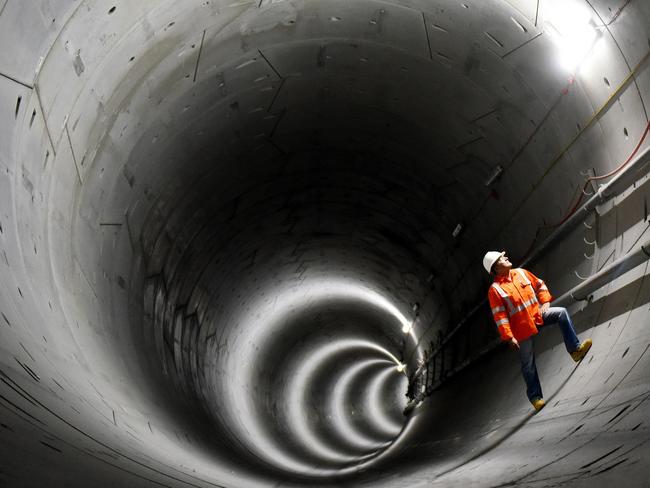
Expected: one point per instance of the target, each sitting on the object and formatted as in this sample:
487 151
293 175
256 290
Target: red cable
611 173
575 206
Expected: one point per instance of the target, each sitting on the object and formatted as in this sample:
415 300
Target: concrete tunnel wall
216 218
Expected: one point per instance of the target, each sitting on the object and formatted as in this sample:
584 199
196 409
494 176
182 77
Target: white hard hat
490 258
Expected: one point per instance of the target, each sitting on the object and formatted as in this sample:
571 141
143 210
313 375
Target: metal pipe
606 192
605 275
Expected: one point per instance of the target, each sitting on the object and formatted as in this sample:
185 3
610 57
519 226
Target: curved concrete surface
224 225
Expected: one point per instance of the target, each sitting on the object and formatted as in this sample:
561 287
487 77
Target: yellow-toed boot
582 351
538 403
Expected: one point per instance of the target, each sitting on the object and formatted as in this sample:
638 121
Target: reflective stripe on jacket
515 301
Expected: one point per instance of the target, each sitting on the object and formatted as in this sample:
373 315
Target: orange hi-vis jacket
515 301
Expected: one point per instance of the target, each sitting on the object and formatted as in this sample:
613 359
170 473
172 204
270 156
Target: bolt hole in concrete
111 10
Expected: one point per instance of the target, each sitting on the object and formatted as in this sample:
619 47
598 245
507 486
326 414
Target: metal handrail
582 291
606 192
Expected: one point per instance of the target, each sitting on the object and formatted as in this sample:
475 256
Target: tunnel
241 241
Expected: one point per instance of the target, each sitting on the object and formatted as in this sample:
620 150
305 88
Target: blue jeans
554 315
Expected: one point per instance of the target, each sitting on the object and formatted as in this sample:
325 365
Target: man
521 303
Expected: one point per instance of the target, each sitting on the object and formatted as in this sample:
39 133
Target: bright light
406 328
400 367
573 31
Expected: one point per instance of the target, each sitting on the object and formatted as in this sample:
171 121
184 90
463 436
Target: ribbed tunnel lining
203 163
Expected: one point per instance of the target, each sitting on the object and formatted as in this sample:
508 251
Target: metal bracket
580 277
587 299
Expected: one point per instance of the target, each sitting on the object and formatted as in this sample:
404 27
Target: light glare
573 31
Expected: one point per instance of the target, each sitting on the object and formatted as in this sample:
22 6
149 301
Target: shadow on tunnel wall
618 303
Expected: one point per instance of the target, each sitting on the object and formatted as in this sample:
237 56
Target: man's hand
544 308
514 344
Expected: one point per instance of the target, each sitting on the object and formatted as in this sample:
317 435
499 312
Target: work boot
538 403
582 351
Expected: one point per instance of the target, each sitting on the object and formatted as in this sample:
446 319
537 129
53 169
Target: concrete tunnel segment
216 219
